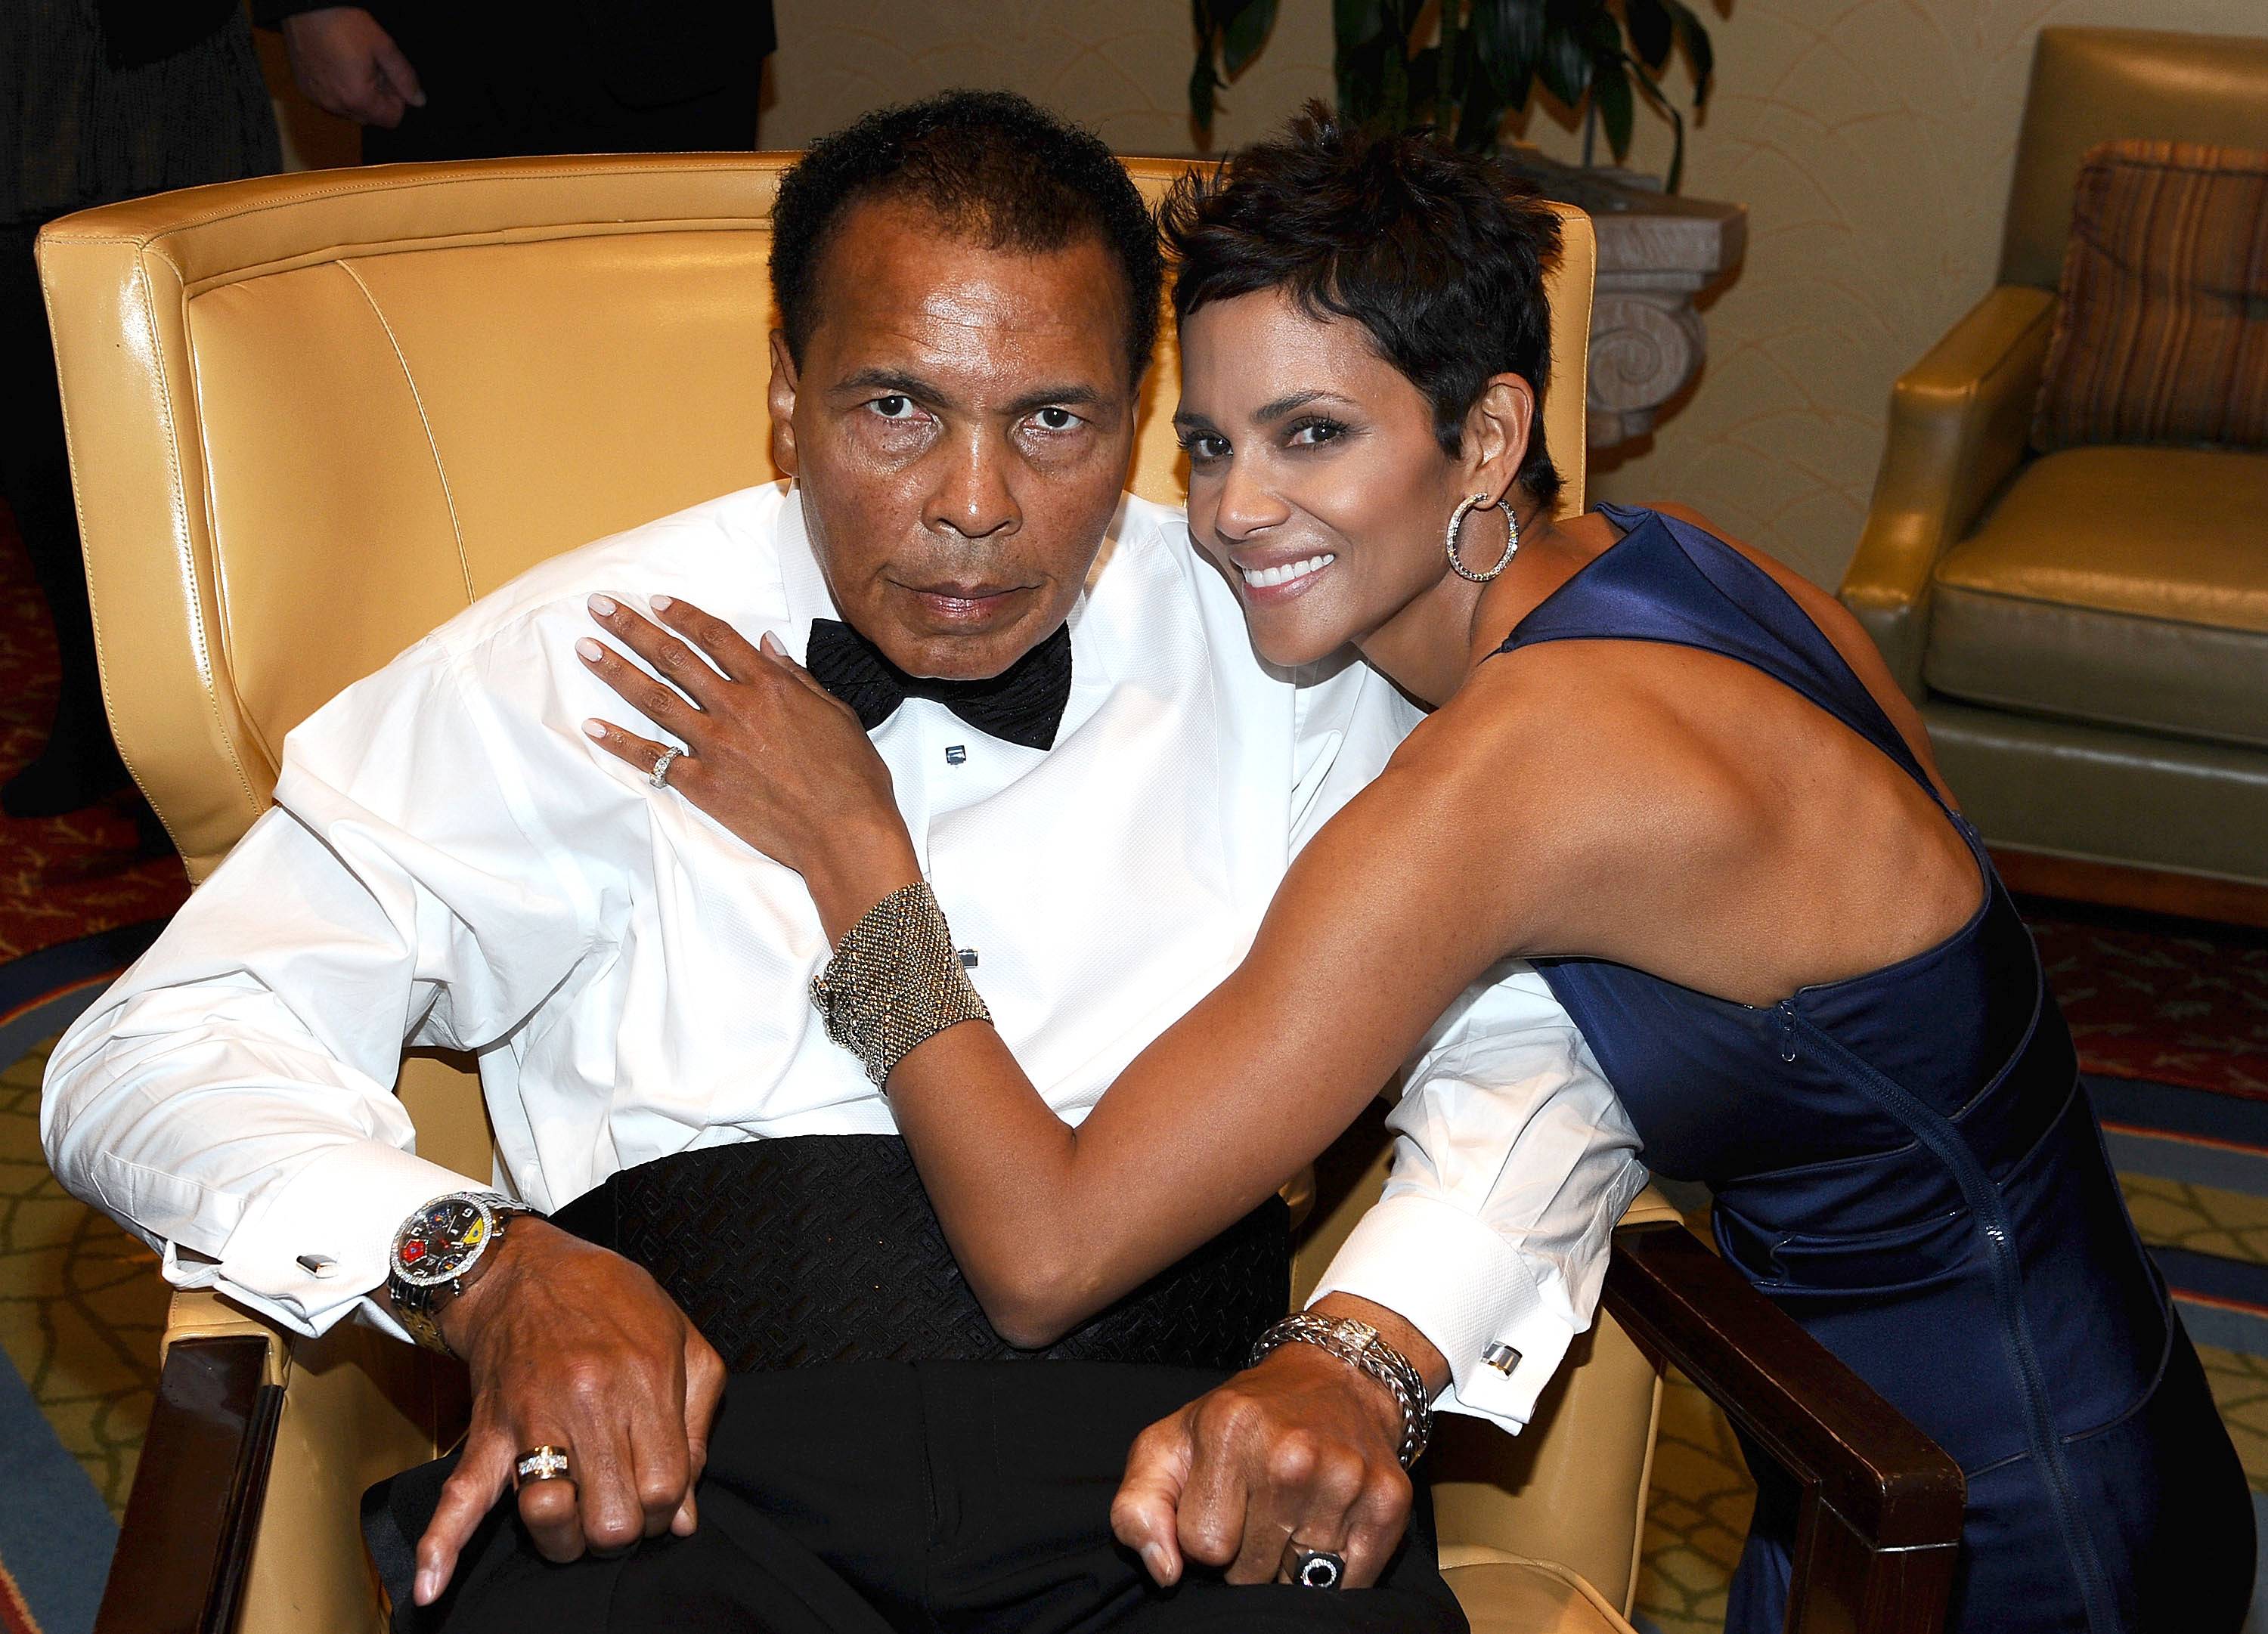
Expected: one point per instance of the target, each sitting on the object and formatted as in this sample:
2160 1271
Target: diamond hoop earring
1465 508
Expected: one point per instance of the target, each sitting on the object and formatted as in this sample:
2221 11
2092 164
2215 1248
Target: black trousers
871 1498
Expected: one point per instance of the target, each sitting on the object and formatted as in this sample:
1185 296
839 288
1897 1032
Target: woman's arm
1391 913
1375 930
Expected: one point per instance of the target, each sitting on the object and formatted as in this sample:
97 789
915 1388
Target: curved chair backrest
312 416
2098 84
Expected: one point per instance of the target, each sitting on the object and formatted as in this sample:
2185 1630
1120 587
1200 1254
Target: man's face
960 425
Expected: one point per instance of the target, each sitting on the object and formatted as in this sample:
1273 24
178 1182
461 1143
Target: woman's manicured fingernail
771 645
590 650
596 728
603 606
662 604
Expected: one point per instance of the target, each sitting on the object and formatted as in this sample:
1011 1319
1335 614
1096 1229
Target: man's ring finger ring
660 776
1317 1568
542 1463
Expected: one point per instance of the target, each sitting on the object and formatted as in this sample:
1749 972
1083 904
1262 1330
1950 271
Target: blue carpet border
43 993
54 1522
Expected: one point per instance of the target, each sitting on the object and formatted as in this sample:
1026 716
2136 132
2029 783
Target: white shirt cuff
1470 1292
339 1212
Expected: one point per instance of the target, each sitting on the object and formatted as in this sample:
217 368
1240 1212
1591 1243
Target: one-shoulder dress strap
1668 581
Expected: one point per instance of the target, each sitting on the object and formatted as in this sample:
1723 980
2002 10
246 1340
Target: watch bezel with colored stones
445 1238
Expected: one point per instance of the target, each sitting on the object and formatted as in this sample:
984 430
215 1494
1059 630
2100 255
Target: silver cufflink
1501 1357
967 957
955 754
318 1264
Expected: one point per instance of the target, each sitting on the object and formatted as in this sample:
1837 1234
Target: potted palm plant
1463 67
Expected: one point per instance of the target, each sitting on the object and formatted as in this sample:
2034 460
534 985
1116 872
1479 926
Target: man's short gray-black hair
989 165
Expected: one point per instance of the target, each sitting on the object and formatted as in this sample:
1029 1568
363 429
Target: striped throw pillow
2162 328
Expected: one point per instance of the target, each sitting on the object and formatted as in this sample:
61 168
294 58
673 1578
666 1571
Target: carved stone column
1656 252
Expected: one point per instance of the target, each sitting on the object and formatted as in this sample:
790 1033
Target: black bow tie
1024 703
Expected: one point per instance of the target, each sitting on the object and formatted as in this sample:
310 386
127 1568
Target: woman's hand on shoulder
775 758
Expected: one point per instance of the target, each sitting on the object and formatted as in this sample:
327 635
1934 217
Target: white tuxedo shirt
451 862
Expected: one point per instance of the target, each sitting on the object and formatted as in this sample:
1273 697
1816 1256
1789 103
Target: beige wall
1871 139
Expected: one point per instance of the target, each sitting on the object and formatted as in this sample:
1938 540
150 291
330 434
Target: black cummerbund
824 1248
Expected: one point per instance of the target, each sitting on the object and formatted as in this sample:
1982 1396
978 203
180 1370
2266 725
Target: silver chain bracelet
1360 1345
895 980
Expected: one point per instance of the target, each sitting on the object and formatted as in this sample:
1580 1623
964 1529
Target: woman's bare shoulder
1572 778
1841 628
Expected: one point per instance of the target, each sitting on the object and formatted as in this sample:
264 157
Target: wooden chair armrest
1880 1525
191 1520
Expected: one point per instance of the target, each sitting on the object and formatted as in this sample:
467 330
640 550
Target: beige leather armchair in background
2085 631
313 415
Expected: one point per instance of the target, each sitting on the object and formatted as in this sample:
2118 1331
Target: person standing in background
488 78
101 99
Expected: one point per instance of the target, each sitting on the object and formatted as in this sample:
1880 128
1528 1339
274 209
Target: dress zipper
1983 1200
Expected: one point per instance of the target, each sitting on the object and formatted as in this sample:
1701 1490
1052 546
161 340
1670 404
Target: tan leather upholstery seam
440 472
201 637
538 232
2016 599
742 161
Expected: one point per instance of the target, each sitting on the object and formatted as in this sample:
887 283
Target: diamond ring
660 776
542 1463
1317 1568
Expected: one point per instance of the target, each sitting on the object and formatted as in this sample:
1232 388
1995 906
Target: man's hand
346 64
1301 1449
575 1347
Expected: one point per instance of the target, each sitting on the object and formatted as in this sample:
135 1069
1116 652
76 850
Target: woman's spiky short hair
1441 256
989 165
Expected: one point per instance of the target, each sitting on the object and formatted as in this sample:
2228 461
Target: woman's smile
1269 582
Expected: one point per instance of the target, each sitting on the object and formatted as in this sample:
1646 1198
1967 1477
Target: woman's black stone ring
1317 1568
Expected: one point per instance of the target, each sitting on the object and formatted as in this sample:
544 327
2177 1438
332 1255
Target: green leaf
1507 38
1610 89
1483 111
1651 32
1357 22
1698 49
1661 103
1426 97
1565 67
1244 31
1203 83
1361 80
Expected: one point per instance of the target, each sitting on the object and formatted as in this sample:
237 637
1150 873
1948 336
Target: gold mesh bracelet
895 980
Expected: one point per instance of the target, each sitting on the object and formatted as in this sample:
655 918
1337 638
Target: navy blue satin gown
1906 1163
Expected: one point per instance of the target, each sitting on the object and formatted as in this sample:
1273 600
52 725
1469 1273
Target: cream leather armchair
311 417
2085 631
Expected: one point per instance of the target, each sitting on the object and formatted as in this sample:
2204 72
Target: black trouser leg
949 1498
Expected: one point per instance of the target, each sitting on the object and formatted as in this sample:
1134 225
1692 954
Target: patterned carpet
2172 1022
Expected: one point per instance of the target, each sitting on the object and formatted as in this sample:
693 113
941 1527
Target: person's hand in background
346 64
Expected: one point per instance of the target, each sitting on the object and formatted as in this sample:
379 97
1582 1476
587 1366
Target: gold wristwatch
439 1250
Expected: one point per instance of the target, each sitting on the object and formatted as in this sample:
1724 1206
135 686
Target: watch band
418 1303
1362 1346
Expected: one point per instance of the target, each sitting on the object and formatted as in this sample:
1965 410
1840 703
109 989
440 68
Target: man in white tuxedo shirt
452 861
